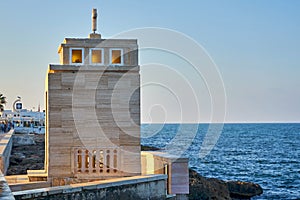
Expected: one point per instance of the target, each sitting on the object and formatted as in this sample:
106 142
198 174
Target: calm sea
267 154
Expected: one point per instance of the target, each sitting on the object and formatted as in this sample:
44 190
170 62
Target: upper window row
96 56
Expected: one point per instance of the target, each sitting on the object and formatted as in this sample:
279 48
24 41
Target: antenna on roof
94 20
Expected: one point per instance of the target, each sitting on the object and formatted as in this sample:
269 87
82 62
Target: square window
96 56
76 55
116 56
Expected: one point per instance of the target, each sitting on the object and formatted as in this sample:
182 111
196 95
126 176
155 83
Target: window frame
121 56
102 56
71 55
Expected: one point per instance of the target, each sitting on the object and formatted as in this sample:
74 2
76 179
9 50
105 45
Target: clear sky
255 44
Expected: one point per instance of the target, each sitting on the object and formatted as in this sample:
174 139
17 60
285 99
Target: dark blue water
267 154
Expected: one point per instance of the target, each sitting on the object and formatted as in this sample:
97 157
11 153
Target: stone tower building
93 110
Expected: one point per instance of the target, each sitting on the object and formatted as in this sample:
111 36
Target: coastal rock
207 188
243 190
212 188
20 140
29 156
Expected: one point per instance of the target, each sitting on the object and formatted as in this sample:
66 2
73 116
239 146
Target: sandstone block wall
89 117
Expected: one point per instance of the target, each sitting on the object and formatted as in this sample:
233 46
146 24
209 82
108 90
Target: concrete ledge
37 175
5 150
165 156
28 186
16 179
136 185
93 68
35 172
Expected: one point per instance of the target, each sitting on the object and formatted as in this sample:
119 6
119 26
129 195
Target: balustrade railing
104 161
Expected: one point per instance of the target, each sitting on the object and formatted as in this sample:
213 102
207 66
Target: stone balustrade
97 161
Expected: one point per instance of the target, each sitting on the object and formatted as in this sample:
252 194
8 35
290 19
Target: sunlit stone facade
93 111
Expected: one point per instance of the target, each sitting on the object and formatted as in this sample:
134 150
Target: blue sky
255 44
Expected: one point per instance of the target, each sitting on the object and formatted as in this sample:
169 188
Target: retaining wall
150 187
5 150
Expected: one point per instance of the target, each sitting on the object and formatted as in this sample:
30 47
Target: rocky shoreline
212 188
28 153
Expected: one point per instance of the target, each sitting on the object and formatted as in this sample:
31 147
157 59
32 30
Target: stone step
17 179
